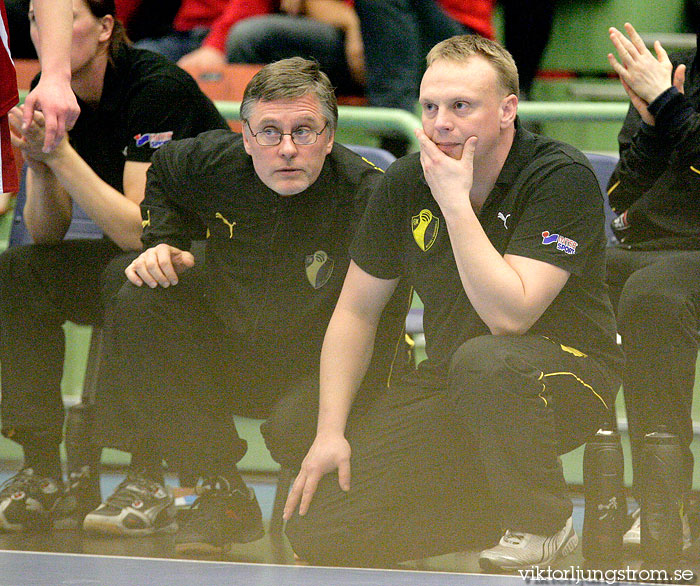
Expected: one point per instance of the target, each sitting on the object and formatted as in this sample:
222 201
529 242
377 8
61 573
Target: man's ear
331 139
509 109
246 143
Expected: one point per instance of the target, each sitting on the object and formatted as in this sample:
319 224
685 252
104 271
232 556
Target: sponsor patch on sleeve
153 139
564 244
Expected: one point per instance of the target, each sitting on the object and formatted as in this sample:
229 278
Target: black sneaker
81 496
27 501
218 518
139 506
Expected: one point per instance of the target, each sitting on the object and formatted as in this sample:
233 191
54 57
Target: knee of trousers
132 303
650 308
113 277
289 433
21 286
16 266
244 39
484 367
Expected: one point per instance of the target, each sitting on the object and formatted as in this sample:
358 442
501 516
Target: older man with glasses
235 333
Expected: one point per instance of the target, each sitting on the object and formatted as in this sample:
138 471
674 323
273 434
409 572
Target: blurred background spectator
207 34
325 30
147 18
18 27
527 27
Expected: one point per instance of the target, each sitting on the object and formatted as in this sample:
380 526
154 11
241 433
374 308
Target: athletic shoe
139 506
517 550
633 537
219 517
82 495
27 501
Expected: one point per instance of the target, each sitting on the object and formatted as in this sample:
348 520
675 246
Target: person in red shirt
207 34
53 95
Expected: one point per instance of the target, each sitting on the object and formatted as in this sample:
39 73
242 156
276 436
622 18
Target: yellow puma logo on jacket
230 225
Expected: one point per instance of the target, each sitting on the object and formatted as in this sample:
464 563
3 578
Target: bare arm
341 15
47 210
46 198
508 292
346 353
53 94
333 12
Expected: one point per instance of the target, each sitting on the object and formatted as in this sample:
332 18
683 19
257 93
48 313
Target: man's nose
287 148
443 120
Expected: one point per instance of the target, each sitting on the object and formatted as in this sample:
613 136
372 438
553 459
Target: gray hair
288 79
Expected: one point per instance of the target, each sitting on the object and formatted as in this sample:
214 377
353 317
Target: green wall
579 40
579 44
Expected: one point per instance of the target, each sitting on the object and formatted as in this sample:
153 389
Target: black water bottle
606 506
662 497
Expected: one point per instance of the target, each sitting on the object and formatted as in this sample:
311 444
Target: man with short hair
501 234
237 332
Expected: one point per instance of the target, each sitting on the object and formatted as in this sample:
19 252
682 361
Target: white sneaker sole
105 528
491 565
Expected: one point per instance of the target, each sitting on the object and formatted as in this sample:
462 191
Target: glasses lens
268 137
304 137
301 136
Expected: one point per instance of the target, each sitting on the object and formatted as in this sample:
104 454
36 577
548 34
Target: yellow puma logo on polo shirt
147 221
425 228
230 225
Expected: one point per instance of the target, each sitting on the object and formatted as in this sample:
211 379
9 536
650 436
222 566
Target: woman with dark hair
132 102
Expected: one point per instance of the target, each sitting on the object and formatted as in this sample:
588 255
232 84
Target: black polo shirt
545 205
146 102
276 264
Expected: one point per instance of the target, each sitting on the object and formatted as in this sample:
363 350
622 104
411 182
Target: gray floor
42 569
72 557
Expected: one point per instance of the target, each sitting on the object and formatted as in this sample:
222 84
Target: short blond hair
460 48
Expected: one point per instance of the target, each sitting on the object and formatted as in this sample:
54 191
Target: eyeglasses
272 137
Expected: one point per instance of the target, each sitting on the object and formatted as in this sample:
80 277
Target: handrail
399 122
573 111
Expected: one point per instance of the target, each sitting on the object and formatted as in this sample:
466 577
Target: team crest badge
319 268
425 228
